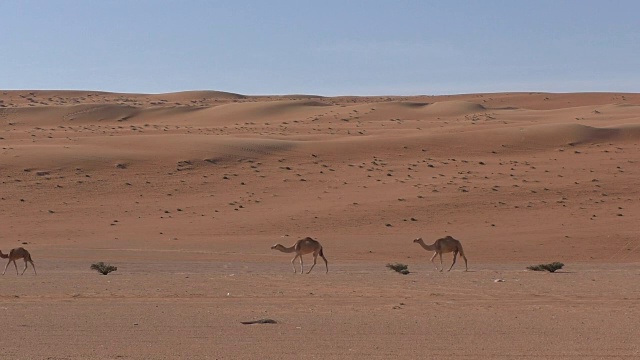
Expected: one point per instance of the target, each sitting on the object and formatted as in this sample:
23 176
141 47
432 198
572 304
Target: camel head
276 246
418 240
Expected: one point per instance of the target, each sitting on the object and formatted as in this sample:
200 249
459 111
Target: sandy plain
186 192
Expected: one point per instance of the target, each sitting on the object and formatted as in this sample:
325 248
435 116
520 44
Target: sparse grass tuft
552 267
103 268
400 268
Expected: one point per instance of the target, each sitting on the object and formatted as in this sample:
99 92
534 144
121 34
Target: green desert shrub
398 267
103 268
552 267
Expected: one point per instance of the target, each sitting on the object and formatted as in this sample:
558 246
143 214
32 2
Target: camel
444 245
16 254
302 247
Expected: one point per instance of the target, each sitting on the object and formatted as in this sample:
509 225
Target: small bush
103 268
401 268
546 267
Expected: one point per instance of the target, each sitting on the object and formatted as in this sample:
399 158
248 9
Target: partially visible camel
444 245
16 254
302 247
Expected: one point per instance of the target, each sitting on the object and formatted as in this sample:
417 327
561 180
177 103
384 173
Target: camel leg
441 263
455 254
301 266
315 259
433 257
34 267
5 268
326 263
16 265
25 266
466 267
293 263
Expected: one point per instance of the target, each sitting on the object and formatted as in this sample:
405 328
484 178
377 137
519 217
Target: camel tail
462 253
460 250
326 262
466 264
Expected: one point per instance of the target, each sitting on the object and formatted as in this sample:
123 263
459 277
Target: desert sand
186 192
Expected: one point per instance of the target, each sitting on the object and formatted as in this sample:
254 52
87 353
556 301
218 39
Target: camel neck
288 249
427 247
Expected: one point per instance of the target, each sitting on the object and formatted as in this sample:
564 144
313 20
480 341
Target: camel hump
446 239
451 239
308 241
20 252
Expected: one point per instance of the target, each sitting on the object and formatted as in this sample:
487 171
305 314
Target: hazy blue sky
324 47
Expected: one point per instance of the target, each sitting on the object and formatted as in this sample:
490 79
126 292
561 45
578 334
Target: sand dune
453 108
186 96
186 192
376 144
546 136
250 112
105 152
195 148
